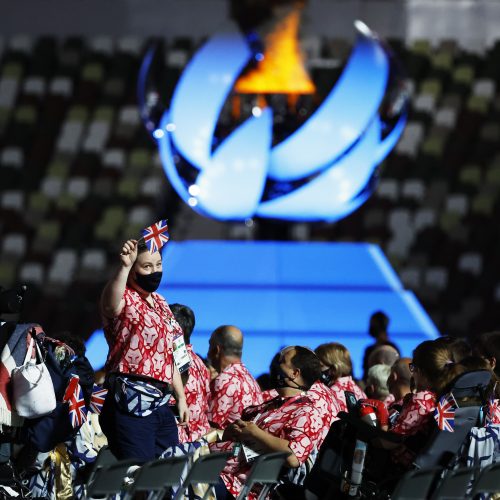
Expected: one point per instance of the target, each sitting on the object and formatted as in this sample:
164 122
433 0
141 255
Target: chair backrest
160 474
416 484
103 459
488 481
265 470
444 445
109 480
455 484
205 470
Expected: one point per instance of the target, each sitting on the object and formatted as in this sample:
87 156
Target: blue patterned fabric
138 397
483 446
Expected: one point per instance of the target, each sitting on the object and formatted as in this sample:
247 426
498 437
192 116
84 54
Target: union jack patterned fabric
493 412
76 401
416 413
139 397
295 419
231 392
97 399
141 338
444 414
156 236
345 384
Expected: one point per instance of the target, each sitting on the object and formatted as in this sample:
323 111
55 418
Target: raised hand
128 255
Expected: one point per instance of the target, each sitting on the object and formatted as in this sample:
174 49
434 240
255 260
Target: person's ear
493 362
295 373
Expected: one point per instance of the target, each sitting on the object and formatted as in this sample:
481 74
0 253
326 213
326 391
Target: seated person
289 422
376 384
487 346
197 385
382 355
398 383
336 369
432 371
234 388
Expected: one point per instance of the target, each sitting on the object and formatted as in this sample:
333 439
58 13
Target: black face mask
149 282
326 377
281 377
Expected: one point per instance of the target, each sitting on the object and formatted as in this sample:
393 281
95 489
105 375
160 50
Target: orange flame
282 70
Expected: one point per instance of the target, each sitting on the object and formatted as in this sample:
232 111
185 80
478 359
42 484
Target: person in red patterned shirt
290 422
197 386
336 370
142 374
234 388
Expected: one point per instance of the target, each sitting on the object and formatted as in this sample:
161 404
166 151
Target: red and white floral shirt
197 391
346 384
493 411
295 419
416 414
140 338
269 394
230 393
327 406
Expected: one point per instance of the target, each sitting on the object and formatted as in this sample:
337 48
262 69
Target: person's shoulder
161 300
131 296
424 398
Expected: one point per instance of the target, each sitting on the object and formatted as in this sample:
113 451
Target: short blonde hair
337 357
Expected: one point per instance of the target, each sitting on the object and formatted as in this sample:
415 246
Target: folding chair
416 484
488 481
158 475
109 480
205 470
103 459
265 470
455 484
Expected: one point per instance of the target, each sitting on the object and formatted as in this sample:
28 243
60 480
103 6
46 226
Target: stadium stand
79 173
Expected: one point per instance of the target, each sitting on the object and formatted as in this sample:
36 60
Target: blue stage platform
287 293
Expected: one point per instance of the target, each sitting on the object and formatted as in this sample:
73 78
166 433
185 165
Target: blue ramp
287 293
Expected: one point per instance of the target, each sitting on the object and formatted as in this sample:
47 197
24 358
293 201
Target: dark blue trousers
139 438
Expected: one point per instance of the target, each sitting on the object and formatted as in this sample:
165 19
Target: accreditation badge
181 355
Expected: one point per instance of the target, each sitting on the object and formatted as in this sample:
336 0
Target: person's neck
145 295
226 361
288 392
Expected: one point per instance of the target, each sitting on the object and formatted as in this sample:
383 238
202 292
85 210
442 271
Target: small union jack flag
76 401
97 399
493 411
156 236
444 413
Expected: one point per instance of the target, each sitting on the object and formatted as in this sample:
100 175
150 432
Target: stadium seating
79 173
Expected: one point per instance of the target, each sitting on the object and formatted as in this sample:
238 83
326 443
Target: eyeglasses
413 367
